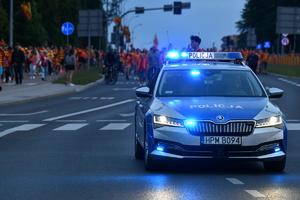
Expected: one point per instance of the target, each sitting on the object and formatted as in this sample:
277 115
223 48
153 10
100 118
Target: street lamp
133 30
131 19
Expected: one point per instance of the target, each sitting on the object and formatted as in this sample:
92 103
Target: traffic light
139 10
177 7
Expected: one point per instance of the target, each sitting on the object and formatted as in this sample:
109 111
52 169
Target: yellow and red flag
26 7
126 33
117 21
155 41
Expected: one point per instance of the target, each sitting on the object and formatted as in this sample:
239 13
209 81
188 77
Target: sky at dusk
209 19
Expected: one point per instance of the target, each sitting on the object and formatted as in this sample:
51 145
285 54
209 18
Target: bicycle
111 76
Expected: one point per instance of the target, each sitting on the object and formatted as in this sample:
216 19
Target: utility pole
11 23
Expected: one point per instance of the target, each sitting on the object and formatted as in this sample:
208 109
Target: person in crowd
253 61
61 56
195 43
70 66
44 62
122 60
127 65
18 60
2 64
153 58
264 59
118 57
33 58
142 68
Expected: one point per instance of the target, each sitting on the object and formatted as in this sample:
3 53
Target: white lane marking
255 193
110 120
24 127
70 127
23 121
30 83
293 120
134 88
70 121
116 126
235 181
126 83
127 115
288 81
93 98
293 126
90 110
35 113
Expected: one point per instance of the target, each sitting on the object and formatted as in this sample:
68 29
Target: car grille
228 129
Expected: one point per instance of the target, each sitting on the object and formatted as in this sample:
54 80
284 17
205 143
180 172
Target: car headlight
167 121
271 121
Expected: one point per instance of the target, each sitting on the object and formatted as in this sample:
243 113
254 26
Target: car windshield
191 83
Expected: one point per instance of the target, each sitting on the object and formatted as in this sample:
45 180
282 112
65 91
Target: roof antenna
168 37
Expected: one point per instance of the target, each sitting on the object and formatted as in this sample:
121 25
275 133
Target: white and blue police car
208 105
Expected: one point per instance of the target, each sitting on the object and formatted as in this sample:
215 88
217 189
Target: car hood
211 108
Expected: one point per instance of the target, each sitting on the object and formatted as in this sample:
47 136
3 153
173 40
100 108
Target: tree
262 16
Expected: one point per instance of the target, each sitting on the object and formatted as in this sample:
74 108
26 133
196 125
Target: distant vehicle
208 105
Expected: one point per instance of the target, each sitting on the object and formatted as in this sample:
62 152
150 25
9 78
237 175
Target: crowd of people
142 64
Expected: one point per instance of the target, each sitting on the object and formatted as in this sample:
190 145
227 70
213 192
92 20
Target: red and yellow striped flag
27 10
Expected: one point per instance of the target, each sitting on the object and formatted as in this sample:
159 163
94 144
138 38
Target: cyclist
110 62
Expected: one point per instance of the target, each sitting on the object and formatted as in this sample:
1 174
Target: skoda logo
220 118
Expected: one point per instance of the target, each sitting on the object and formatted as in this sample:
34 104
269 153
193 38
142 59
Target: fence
284 60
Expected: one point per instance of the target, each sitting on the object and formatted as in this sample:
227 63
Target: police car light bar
204 55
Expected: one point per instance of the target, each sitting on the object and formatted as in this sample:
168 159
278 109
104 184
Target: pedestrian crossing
65 127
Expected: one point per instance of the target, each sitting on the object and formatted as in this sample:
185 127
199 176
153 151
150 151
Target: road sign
288 20
285 41
267 45
259 46
90 23
67 28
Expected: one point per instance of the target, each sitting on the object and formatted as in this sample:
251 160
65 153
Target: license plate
223 140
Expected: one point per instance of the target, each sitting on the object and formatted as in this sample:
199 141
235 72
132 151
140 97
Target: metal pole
89 41
11 24
99 25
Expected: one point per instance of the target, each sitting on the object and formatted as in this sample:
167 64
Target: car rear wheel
275 166
138 149
149 163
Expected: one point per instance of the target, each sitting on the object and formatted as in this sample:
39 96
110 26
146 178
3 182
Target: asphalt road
80 146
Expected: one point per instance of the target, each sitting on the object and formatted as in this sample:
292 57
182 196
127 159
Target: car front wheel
148 161
138 149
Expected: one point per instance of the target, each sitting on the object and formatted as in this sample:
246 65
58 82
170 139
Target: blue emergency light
175 55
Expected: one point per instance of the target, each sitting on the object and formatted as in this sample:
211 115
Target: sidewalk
34 89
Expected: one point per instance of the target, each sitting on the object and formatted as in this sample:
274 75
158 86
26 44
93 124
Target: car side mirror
143 92
275 93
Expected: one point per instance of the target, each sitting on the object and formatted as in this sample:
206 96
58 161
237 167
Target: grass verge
83 76
287 70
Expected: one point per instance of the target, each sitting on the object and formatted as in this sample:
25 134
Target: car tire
275 166
138 149
149 163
